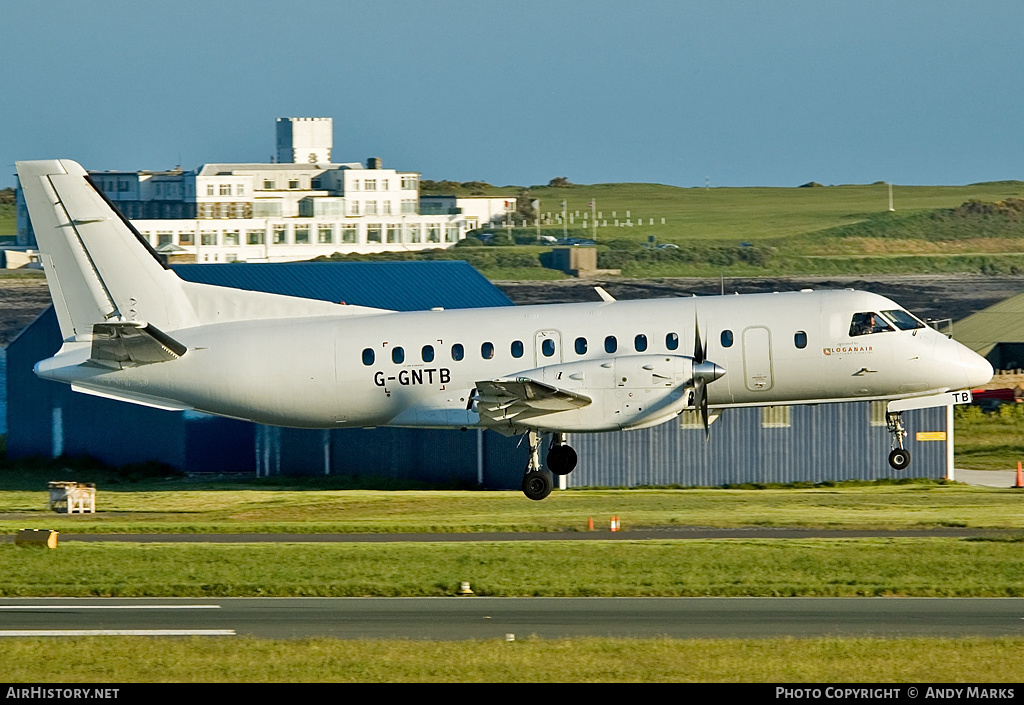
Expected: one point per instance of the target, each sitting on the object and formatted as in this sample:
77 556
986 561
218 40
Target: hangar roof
1000 323
397 286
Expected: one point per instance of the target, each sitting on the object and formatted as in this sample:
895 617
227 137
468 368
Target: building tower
305 140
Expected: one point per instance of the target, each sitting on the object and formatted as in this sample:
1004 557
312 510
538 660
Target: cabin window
547 348
672 341
611 344
726 338
581 346
458 352
904 320
640 343
800 339
487 351
368 356
517 348
397 355
427 353
867 323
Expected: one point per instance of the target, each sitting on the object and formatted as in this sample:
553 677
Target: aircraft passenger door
757 359
548 347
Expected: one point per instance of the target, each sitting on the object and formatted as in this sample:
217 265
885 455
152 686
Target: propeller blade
699 350
701 402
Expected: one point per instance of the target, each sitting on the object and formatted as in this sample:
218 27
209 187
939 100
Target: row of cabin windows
548 348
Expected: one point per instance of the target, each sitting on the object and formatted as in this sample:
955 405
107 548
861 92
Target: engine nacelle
631 391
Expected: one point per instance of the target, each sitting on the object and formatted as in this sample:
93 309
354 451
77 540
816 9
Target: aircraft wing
507 402
118 342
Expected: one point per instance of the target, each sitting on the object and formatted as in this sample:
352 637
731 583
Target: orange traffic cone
615 524
590 523
1020 477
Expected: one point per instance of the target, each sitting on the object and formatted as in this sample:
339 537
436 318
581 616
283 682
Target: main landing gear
561 460
899 458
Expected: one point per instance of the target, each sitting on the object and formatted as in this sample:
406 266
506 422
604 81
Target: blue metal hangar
748 445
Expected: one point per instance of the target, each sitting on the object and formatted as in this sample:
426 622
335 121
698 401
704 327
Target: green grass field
525 660
295 505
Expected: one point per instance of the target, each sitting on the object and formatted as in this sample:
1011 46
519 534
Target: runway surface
459 618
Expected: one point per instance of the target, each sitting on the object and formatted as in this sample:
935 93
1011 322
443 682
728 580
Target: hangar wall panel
825 442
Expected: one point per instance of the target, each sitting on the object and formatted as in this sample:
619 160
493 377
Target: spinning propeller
704 372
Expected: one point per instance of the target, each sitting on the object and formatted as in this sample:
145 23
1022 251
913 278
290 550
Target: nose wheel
899 458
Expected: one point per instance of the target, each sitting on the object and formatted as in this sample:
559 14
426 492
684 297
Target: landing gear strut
537 482
899 458
561 458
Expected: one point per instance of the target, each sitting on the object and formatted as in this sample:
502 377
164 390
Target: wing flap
504 401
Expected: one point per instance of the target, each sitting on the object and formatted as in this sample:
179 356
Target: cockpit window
904 320
868 323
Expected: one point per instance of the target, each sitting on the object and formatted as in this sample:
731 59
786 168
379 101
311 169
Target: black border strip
156 255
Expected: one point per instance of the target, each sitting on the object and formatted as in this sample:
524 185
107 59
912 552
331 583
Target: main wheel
899 458
562 459
537 484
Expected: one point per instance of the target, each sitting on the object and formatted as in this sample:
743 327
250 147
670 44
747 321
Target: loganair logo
847 349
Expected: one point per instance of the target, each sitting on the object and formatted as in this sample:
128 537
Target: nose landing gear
899 458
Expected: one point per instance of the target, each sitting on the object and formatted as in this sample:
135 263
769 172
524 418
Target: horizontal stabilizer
504 401
132 342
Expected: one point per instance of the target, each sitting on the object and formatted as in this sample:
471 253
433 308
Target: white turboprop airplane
135 332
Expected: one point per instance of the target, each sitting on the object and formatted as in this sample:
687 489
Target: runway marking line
109 607
117 632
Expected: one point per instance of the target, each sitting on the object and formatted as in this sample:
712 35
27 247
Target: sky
679 92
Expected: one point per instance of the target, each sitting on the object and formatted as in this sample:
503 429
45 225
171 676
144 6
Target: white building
289 210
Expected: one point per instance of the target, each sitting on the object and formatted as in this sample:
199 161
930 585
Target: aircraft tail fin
98 267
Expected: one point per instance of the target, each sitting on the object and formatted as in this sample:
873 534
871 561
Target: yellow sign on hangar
930 436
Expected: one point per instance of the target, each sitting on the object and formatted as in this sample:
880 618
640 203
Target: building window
672 341
355 184
349 234
581 346
302 235
517 348
368 356
325 235
255 237
458 352
373 231
230 237
269 185
408 205
385 207
397 355
611 344
433 233
209 237
370 185
281 235
409 183
225 189
383 184
239 190
726 338
640 343
187 238
353 208
394 232
293 184
451 233
209 190
414 232
371 208
487 351
164 238
427 353
800 339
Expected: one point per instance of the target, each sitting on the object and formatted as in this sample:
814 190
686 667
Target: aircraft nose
977 369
